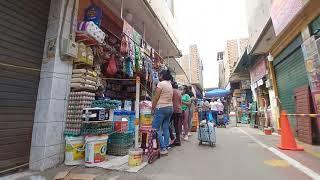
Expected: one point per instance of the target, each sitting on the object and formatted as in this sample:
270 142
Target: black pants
177 124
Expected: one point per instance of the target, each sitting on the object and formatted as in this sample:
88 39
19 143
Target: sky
208 24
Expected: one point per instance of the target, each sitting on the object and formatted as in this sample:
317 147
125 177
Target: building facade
290 42
232 52
35 79
221 70
192 66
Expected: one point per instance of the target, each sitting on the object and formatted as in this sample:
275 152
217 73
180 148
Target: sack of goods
92 30
84 79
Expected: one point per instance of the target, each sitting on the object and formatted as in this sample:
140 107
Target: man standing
214 109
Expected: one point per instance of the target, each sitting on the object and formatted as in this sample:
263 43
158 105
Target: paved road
236 156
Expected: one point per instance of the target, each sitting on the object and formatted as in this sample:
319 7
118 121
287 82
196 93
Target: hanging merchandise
89 54
137 58
124 49
128 66
91 29
112 66
82 55
93 13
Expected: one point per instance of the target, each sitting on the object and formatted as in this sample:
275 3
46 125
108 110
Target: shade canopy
217 93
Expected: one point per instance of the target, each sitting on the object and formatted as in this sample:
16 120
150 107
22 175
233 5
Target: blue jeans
161 122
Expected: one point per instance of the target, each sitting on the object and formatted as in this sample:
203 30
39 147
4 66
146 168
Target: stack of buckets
90 149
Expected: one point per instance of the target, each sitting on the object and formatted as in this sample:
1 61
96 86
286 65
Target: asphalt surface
236 156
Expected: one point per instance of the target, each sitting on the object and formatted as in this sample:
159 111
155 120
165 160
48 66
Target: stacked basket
120 143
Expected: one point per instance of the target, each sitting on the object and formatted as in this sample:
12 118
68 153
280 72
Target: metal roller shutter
290 74
22 35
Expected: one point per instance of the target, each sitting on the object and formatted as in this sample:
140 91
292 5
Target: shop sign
245 84
283 11
258 71
260 82
312 65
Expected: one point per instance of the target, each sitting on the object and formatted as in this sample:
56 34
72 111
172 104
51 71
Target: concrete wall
47 147
258 14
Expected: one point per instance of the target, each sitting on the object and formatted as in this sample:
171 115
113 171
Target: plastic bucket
96 149
135 157
74 153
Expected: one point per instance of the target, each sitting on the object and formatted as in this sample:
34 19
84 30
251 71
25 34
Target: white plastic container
96 150
74 153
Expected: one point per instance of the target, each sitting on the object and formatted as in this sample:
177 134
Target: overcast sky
209 23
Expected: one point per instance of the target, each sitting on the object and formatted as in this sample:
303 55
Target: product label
100 150
72 153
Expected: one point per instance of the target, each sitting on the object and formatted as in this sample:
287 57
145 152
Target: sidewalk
310 157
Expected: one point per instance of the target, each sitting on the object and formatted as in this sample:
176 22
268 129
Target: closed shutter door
290 74
22 35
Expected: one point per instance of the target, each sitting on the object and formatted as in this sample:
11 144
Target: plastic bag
112 66
210 117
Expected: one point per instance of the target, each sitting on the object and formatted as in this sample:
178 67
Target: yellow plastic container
135 157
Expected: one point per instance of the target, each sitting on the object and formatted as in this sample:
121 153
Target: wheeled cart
207 133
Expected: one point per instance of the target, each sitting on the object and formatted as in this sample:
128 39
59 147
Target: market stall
114 75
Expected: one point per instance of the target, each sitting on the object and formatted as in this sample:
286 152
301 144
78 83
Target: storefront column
47 147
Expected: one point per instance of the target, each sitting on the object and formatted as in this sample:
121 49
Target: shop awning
243 63
217 93
144 19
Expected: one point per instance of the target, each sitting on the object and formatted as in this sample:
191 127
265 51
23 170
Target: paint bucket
74 153
96 149
135 157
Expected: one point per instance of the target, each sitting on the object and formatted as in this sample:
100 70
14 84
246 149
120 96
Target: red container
267 131
120 126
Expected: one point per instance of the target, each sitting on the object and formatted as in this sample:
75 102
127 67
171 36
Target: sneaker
186 138
164 152
189 134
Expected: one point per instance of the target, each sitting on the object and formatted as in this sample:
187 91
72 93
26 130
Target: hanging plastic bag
112 66
210 117
124 48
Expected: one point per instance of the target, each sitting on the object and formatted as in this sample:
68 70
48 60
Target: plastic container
117 115
146 118
121 126
135 157
96 149
74 154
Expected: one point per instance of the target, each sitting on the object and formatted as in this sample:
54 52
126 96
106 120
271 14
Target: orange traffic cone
288 142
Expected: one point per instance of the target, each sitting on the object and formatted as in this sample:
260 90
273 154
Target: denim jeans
160 122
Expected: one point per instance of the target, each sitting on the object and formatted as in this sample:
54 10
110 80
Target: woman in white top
214 109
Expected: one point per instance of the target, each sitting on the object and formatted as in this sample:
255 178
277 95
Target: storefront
290 74
23 32
261 107
112 82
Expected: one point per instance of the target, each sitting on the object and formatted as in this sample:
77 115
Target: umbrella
217 93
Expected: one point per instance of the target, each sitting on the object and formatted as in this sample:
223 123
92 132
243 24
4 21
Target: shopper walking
176 116
162 107
191 109
214 110
186 103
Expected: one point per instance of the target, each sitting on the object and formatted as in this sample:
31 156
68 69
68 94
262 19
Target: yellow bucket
135 157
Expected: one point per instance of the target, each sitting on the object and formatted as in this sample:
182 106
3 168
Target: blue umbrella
217 93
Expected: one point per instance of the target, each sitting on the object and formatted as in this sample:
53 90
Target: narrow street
236 156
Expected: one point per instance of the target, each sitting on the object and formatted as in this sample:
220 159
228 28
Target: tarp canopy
217 93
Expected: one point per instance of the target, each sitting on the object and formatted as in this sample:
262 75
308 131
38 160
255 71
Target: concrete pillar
47 147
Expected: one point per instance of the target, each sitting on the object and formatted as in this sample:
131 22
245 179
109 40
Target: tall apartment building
221 70
192 66
233 50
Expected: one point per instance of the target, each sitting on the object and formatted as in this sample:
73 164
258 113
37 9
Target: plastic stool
150 134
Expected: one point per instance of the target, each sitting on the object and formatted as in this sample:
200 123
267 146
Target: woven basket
118 150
